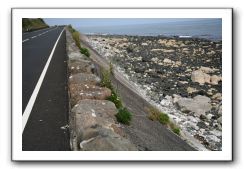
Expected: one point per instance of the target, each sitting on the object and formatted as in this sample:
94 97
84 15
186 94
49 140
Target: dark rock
183 94
146 59
183 78
153 75
201 125
203 117
191 54
214 118
201 92
139 70
180 84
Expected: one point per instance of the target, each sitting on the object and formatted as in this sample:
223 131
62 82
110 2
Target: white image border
19 155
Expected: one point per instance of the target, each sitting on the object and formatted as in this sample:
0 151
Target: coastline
199 127
204 37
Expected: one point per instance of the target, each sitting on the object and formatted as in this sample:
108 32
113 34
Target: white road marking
25 40
31 102
37 30
38 35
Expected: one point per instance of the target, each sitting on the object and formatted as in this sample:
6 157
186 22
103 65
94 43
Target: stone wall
93 125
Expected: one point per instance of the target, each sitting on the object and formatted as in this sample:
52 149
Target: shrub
85 51
31 24
111 68
174 128
124 116
106 81
115 99
71 29
163 118
76 37
153 113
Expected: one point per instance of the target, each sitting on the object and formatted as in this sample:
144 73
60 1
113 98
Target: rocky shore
181 76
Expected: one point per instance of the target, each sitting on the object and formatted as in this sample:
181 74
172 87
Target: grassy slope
33 24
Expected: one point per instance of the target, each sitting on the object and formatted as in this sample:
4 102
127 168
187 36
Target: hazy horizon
101 22
210 28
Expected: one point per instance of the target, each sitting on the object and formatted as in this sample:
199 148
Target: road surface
44 91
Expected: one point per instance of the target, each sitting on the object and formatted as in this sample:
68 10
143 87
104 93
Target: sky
90 22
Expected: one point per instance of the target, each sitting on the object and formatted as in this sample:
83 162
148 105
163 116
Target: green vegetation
163 118
31 24
124 116
155 115
85 51
106 82
71 29
76 37
111 68
115 99
174 128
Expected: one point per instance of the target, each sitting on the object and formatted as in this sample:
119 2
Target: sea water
202 28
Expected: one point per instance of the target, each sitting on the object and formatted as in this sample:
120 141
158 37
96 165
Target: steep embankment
31 24
145 133
92 124
181 76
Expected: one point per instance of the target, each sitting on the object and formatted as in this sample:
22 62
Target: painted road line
25 40
37 88
37 35
36 30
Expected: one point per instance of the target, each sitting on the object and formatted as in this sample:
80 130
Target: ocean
202 28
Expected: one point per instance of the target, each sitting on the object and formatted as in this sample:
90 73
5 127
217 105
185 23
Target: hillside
33 24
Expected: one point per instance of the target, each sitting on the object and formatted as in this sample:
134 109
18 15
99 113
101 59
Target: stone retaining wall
93 125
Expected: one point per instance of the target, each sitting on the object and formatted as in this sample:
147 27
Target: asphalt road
45 128
29 35
144 133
